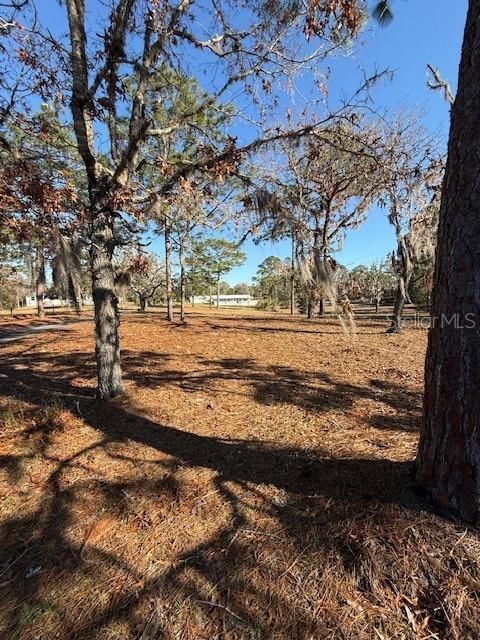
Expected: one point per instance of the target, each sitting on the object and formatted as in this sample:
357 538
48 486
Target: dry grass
254 483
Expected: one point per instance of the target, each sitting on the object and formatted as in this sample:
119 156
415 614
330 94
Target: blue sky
423 31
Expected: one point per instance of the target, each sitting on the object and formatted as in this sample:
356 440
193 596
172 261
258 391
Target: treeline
278 284
35 272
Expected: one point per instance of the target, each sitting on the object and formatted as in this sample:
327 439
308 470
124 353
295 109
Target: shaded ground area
14 331
255 482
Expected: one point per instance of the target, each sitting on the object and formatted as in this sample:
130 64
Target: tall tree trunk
75 277
168 269
40 280
317 270
181 257
77 299
292 277
74 293
107 317
399 304
218 292
448 460
402 296
320 253
310 308
321 308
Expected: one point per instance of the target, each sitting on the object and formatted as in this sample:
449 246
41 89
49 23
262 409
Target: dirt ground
254 482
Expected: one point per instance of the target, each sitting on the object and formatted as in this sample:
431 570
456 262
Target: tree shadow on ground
234 583
73 374
277 384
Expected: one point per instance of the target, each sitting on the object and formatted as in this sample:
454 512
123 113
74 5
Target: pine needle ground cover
254 482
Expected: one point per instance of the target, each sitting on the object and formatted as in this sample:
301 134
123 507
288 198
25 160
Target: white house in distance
224 300
29 300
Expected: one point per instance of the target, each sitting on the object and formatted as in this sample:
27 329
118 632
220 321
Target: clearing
255 482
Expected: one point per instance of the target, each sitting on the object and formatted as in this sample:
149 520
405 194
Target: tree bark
74 293
310 307
181 257
75 277
292 277
40 280
218 292
143 303
107 317
448 460
399 304
402 296
321 308
320 253
168 270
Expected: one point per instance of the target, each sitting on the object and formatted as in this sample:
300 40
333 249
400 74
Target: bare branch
439 84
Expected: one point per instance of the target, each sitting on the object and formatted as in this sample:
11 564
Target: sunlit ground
255 482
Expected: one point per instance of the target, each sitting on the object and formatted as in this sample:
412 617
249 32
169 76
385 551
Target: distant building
224 300
29 300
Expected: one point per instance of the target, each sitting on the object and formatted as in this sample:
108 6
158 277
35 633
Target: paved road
18 333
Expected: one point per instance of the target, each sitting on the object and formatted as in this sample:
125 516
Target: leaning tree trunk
168 270
448 460
107 317
40 281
